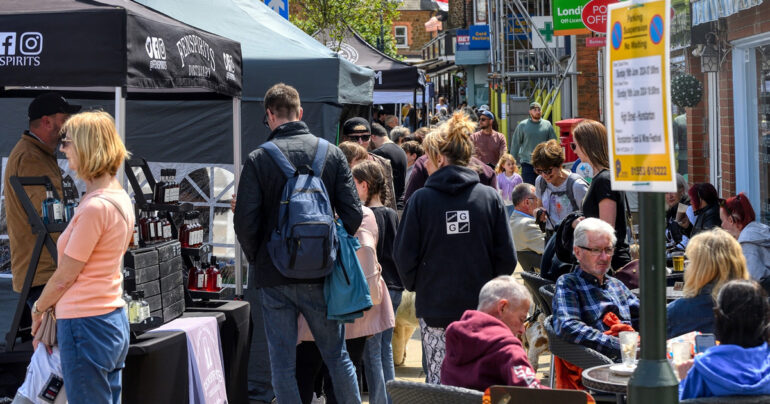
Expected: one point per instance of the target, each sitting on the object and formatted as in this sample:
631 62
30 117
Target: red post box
565 133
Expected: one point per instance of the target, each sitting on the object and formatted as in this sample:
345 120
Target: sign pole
641 151
654 380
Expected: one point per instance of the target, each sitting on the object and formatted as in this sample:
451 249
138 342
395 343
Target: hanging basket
686 91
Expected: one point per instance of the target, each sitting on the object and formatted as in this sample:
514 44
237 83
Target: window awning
704 11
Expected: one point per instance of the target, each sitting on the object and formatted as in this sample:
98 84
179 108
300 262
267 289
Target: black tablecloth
234 333
156 369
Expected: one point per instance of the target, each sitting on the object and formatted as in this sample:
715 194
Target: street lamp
709 59
381 39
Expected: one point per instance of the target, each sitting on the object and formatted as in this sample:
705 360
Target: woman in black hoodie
452 239
705 204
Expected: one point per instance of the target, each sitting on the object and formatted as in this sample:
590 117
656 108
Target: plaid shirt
581 302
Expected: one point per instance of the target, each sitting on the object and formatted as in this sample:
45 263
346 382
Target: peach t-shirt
97 235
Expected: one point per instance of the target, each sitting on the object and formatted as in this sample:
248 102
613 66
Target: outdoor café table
671 294
601 379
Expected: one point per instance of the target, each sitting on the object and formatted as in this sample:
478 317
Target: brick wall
697 130
456 14
587 80
416 34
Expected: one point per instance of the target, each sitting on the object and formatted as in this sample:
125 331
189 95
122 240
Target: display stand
43 238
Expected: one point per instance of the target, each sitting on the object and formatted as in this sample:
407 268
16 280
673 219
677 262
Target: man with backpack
289 190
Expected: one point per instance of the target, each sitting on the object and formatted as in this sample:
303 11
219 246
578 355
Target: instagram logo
31 43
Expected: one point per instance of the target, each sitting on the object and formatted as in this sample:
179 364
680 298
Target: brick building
409 28
728 131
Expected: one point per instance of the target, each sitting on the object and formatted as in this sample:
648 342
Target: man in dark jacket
482 348
256 216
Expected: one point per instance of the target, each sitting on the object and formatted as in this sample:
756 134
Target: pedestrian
507 179
34 156
452 239
528 134
384 147
86 289
488 144
378 353
560 191
256 218
357 130
601 201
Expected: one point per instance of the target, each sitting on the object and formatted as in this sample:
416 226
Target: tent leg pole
120 125
237 171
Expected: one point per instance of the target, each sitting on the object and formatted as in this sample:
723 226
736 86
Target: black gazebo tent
98 48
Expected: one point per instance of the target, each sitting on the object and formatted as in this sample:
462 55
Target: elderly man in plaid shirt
584 296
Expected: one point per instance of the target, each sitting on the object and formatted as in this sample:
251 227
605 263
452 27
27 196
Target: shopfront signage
567 17
479 37
639 127
594 15
596 41
463 40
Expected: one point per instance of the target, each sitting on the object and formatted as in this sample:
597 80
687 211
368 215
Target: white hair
593 225
502 287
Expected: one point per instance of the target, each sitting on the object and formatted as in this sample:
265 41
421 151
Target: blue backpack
304 243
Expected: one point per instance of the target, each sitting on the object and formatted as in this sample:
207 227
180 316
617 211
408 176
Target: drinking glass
628 342
678 259
680 352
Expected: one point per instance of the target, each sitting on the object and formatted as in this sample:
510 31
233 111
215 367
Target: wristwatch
35 311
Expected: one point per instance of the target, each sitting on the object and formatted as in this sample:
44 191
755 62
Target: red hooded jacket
481 351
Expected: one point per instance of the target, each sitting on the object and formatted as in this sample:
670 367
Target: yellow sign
641 147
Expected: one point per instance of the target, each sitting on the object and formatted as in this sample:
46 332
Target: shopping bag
44 383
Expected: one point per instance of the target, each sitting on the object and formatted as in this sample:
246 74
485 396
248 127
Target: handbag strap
122 213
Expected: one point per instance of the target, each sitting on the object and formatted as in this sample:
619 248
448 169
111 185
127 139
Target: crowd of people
447 211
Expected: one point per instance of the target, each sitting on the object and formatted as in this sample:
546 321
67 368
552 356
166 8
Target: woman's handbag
47 331
345 289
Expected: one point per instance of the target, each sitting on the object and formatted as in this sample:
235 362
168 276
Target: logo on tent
20 50
346 51
156 50
229 66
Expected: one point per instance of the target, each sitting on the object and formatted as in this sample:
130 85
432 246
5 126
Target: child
370 184
507 179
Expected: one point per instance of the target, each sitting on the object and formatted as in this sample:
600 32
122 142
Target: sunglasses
64 139
546 172
361 138
573 146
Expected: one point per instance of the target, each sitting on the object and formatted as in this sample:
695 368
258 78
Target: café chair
546 293
533 282
575 354
514 395
763 399
403 392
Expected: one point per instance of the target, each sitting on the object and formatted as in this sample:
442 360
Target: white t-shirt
556 201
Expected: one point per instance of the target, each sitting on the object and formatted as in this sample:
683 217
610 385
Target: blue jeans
260 385
93 353
528 173
378 358
281 306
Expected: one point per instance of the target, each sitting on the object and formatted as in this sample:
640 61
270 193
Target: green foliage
363 16
686 91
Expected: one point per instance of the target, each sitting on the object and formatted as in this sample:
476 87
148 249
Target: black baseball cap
50 104
355 125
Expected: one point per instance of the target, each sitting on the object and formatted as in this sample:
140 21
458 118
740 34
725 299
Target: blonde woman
715 258
453 238
85 290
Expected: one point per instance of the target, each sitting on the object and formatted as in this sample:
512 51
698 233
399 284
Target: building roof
416 5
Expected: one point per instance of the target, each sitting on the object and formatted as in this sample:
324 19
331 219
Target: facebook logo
7 43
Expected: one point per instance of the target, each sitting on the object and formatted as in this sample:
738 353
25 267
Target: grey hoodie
755 242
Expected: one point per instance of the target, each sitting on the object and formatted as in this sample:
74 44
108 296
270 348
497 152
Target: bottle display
213 276
134 309
166 226
52 207
173 186
191 232
144 307
159 193
192 278
135 238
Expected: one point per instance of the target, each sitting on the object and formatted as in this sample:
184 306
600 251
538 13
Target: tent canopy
112 43
274 50
390 74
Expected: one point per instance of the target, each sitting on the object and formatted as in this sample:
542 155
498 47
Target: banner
567 17
639 127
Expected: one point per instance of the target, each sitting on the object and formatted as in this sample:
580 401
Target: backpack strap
573 177
278 157
319 161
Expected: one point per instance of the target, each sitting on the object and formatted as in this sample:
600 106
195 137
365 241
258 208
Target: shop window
400 33
763 96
